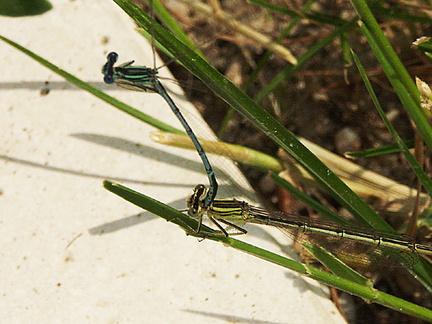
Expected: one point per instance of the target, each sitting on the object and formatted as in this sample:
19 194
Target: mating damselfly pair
354 244
351 244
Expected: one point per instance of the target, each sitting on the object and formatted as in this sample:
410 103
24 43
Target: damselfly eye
109 79
112 57
193 212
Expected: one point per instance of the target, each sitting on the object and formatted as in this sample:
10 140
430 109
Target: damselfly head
195 202
108 68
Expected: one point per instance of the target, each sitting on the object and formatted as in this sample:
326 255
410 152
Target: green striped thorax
138 78
226 209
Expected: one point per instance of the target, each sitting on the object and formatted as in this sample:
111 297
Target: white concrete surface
56 266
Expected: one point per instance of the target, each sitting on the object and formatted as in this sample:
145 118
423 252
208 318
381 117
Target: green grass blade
302 60
377 151
424 44
373 295
172 25
336 266
312 203
396 11
316 16
19 8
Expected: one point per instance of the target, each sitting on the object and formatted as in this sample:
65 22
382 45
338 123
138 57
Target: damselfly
141 78
354 245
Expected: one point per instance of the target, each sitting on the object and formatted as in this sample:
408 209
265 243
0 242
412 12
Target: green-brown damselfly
354 245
